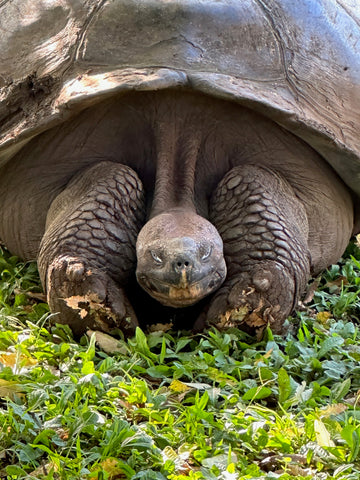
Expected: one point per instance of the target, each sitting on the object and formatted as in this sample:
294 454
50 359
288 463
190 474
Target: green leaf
142 345
160 371
15 470
265 373
257 393
284 385
88 367
329 344
341 390
354 444
163 351
182 343
201 401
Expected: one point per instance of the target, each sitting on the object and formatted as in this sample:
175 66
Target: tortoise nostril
182 264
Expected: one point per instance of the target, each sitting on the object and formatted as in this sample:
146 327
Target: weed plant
173 405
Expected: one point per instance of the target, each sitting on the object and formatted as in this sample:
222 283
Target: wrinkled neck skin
176 158
179 253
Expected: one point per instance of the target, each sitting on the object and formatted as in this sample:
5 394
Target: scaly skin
265 235
88 251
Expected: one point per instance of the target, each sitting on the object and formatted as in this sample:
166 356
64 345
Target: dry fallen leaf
74 302
160 327
35 295
178 387
111 467
180 459
310 292
337 284
10 389
323 317
323 437
91 301
44 470
333 410
106 342
264 357
12 359
232 317
254 320
90 304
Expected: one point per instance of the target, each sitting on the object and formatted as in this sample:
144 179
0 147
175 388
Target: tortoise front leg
87 253
264 229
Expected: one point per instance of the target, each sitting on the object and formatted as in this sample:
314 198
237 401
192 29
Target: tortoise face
179 258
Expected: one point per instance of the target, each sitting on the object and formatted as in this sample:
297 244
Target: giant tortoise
190 161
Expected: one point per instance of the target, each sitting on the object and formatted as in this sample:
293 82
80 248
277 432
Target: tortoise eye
156 256
205 252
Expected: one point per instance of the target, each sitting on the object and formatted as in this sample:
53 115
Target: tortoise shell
296 62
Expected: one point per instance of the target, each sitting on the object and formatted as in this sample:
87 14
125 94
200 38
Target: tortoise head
179 258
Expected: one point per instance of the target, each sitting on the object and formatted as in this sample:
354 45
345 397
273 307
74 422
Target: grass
170 405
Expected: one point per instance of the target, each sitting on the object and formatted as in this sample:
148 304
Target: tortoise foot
87 253
254 300
87 298
265 233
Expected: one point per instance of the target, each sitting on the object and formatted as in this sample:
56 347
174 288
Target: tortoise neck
177 154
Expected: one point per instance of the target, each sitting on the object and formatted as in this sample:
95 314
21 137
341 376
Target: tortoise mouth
182 295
